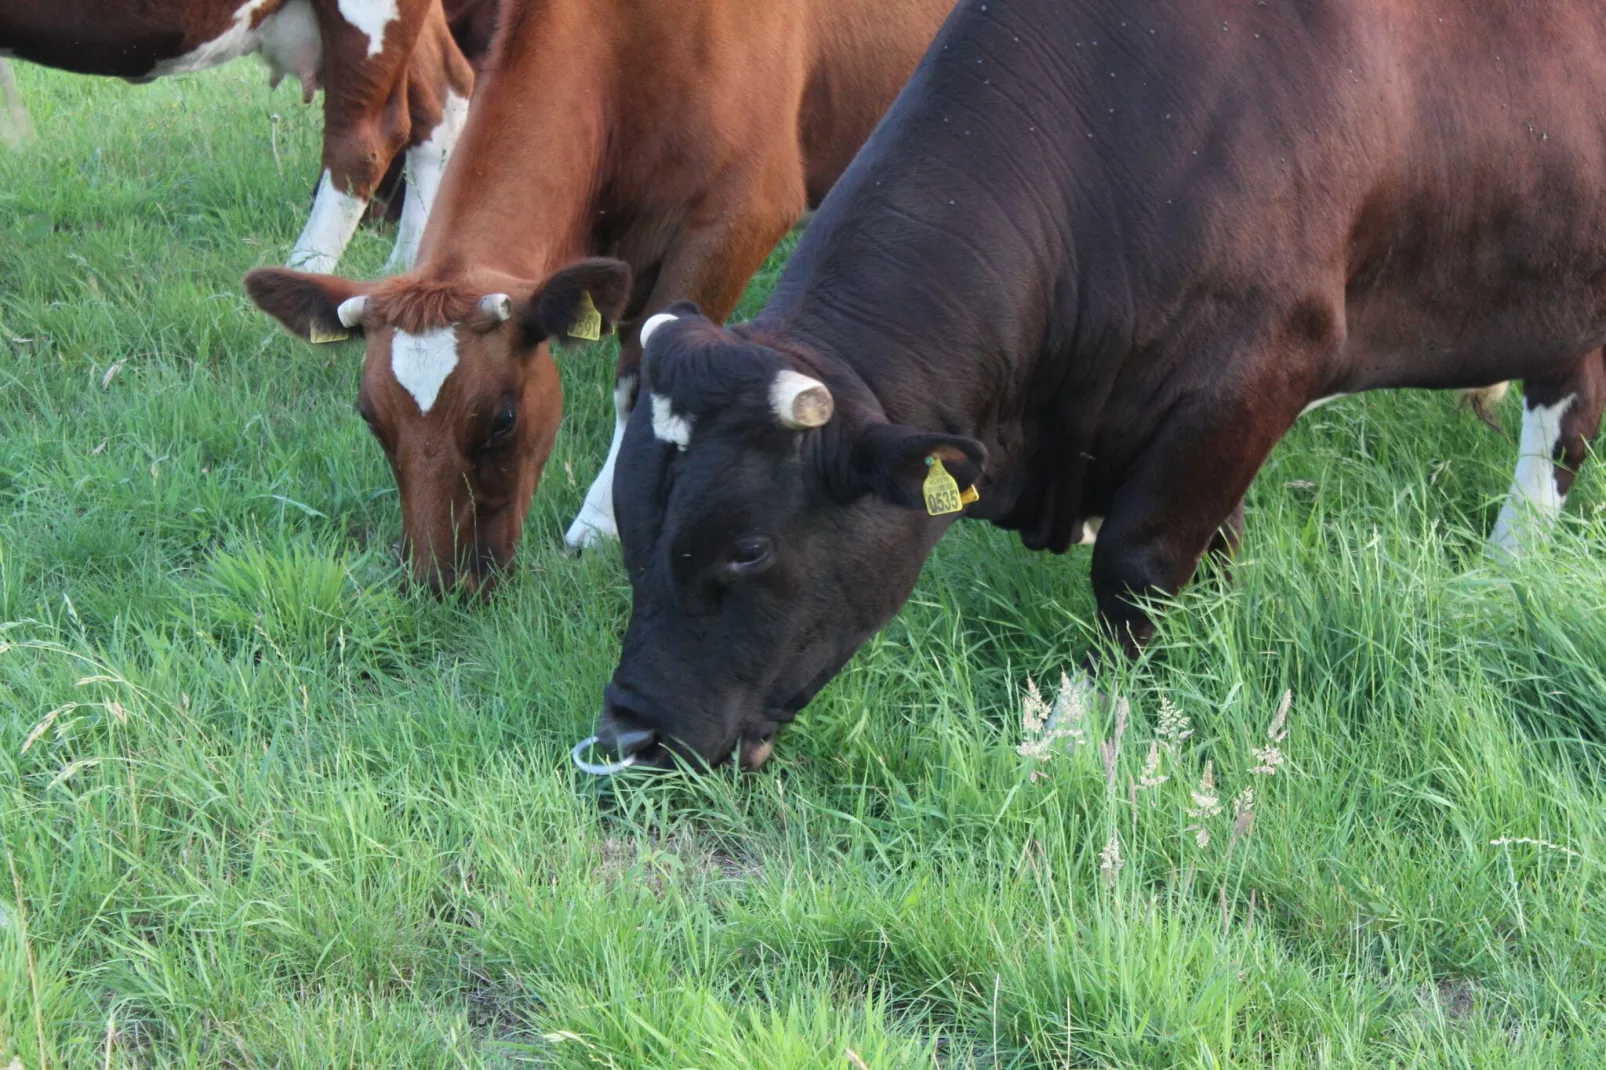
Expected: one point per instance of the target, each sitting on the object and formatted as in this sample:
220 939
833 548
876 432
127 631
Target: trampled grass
263 808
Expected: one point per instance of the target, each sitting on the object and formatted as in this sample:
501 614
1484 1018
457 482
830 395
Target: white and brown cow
393 80
684 138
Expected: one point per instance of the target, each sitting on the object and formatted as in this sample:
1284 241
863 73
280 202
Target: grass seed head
1152 777
1173 727
1110 861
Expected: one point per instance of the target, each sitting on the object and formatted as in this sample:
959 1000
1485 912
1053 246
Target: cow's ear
315 308
583 301
891 461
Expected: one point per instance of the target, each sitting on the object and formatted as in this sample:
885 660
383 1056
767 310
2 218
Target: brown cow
392 77
685 139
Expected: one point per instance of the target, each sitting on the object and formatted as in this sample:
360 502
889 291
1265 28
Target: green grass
266 809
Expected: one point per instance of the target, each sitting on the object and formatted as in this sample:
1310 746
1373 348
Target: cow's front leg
1183 497
1560 416
365 119
439 83
710 266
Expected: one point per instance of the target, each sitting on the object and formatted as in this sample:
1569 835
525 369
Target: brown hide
374 106
684 139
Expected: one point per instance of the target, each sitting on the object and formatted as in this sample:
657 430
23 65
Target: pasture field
260 807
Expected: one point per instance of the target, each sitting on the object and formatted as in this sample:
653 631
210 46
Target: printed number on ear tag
942 493
318 336
588 321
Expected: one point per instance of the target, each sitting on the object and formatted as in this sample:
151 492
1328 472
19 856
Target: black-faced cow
1096 260
392 77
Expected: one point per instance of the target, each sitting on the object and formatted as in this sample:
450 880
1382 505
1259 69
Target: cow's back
1145 175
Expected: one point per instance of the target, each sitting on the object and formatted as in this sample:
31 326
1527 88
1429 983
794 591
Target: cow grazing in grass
393 80
685 139
1096 260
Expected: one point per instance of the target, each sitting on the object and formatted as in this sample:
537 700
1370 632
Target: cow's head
459 389
770 524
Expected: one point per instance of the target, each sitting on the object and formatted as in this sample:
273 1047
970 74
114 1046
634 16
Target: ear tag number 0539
942 493
588 321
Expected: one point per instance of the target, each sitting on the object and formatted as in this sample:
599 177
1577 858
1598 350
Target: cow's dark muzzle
622 732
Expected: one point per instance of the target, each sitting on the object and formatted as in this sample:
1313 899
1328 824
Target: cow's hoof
585 536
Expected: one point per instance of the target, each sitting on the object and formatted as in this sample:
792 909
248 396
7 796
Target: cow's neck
519 195
935 330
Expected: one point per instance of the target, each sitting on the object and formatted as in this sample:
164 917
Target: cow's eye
506 419
750 555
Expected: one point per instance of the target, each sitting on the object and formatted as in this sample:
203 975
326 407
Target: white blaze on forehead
371 17
652 324
668 427
1534 500
421 362
238 39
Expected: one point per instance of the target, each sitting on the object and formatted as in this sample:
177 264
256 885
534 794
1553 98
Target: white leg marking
239 39
1319 402
371 17
1534 501
668 427
425 165
421 362
1090 530
329 228
15 127
595 521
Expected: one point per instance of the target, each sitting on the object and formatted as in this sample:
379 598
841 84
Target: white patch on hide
1090 530
371 17
653 323
596 521
238 39
1534 501
1319 402
329 228
426 163
668 427
421 362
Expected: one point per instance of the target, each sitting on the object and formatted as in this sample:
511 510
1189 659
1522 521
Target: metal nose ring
594 768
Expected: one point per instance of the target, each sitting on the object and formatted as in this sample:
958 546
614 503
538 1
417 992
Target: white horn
653 323
800 402
496 308
351 311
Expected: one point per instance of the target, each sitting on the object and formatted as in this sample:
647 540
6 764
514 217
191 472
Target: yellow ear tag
318 336
588 321
942 493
